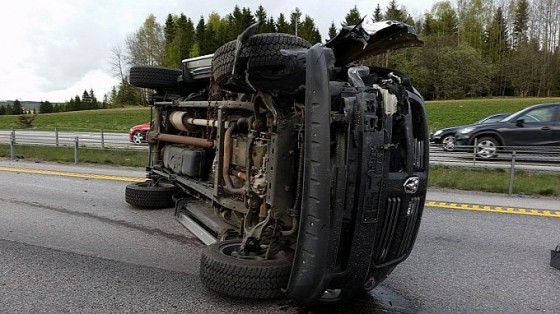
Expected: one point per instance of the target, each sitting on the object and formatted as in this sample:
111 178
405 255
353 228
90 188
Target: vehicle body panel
523 128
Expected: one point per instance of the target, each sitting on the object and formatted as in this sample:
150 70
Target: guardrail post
56 136
12 145
102 139
76 153
511 174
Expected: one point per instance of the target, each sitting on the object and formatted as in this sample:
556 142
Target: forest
472 48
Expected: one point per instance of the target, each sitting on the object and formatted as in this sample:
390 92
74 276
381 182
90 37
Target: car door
556 128
534 127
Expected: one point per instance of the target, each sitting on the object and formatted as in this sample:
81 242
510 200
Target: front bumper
371 223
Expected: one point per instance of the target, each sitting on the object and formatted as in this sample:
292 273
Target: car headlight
438 132
466 130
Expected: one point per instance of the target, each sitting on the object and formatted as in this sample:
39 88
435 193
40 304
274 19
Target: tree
521 23
17 108
295 20
352 17
394 13
147 45
308 30
332 31
118 62
2 110
184 40
377 14
282 26
169 30
26 120
46 107
266 24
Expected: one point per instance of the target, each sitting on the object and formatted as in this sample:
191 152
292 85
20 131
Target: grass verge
441 114
117 157
487 180
494 181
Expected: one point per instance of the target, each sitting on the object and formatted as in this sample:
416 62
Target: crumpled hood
370 39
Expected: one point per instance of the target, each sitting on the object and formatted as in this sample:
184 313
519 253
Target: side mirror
520 122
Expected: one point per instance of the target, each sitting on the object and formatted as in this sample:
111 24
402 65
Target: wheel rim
448 143
486 149
137 138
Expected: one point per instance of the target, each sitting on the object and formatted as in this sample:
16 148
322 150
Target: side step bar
200 219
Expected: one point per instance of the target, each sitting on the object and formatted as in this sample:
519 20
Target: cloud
55 49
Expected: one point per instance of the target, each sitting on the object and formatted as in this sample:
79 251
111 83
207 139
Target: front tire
448 143
253 278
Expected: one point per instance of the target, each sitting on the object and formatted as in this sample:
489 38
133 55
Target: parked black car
538 125
304 172
446 137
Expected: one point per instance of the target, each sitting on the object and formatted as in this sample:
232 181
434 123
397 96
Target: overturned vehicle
304 172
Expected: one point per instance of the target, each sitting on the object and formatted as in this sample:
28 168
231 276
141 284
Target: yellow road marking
73 174
495 209
436 204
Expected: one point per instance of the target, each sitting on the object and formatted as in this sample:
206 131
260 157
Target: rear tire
263 56
144 195
154 77
486 147
138 137
241 277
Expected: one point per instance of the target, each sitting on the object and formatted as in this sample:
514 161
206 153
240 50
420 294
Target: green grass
120 157
447 113
494 181
441 114
111 120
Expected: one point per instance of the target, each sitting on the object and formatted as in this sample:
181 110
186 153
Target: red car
137 133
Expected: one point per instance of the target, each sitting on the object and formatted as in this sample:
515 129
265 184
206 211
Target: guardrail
77 140
512 158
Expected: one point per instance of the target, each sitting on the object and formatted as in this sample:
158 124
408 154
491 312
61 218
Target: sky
54 50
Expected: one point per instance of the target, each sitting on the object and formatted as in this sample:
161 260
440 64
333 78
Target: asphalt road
72 245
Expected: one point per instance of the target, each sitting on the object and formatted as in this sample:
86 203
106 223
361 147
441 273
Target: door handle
545 128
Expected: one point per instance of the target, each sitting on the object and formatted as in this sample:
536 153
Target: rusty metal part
194 141
227 159
263 212
240 174
182 121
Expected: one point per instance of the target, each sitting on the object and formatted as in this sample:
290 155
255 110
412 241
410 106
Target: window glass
545 114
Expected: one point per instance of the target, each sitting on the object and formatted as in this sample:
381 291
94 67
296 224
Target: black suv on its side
304 171
538 125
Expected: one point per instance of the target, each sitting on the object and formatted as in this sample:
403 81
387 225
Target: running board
204 236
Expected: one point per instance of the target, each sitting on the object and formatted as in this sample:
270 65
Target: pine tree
332 31
394 13
520 23
308 30
282 25
377 14
17 108
353 17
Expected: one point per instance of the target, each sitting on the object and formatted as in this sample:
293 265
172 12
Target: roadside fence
77 140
